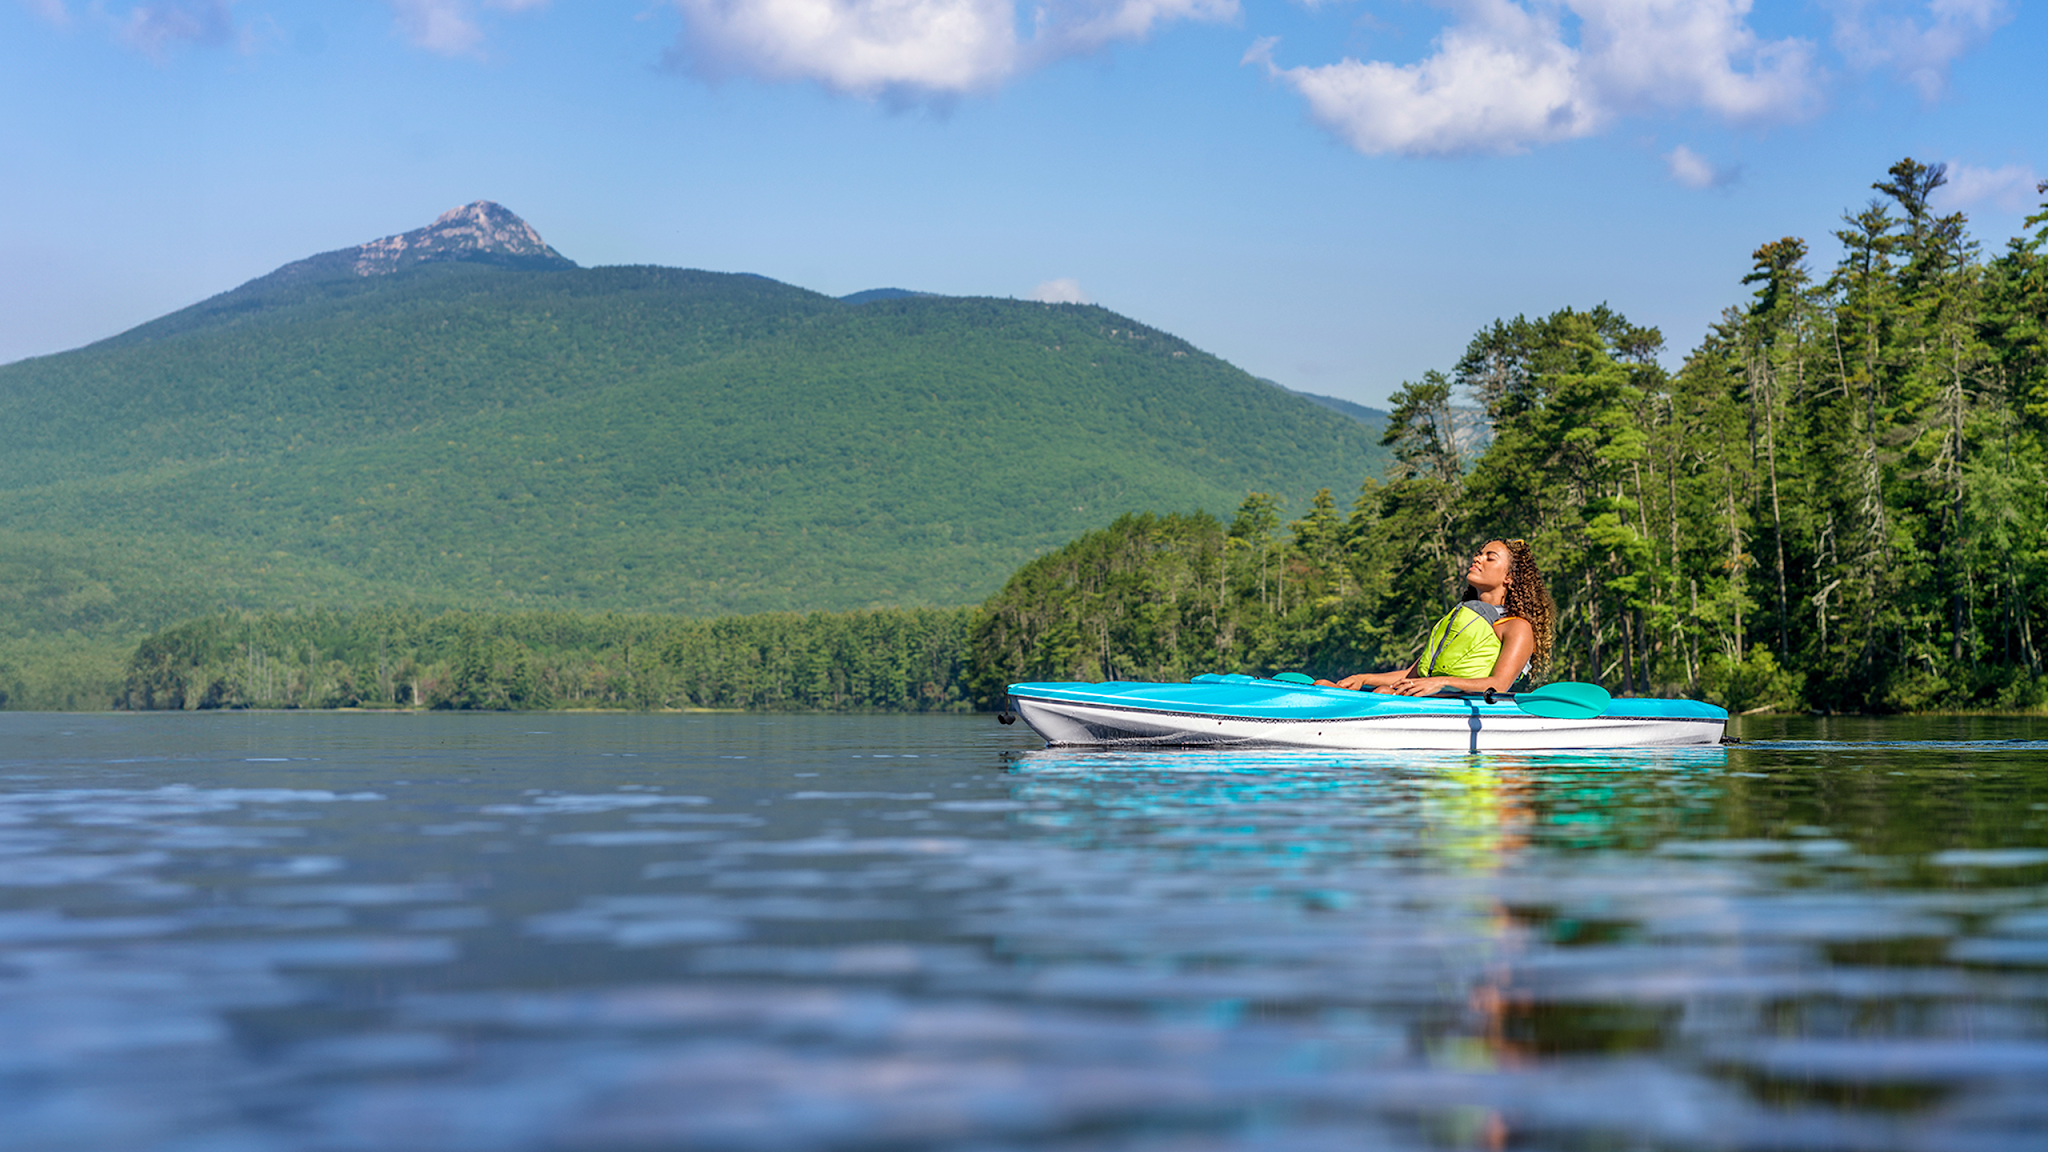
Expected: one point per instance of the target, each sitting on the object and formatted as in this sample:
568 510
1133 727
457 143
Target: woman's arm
1360 681
1517 641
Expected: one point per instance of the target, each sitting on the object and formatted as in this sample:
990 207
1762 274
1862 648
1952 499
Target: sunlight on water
460 932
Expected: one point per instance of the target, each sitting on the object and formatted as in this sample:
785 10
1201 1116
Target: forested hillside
458 434
639 438
1840 501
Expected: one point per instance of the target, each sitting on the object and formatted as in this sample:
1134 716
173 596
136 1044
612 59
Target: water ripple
741 932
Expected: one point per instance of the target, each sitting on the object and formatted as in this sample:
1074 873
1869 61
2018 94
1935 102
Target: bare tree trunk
1593 621
1628 645
1958 595
1692 650
1777 525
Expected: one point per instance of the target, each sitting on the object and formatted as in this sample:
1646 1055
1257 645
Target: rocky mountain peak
483 232
478 233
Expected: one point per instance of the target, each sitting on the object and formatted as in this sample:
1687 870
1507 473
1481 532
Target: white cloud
1687 54
1696 171
2012 188
910 47
1499 81
859 46
1503 76
1063 291
1893 35
449 27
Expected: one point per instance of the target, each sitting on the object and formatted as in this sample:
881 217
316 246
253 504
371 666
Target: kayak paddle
1565 700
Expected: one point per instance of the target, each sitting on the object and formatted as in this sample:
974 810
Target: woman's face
1489 567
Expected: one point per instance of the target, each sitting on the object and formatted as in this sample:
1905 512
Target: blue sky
1334 195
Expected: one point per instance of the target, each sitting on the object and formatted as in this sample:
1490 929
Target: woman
1500 630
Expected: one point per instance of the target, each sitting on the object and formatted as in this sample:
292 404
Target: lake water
307 931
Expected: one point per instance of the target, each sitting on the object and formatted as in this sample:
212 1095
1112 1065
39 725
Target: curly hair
1528 597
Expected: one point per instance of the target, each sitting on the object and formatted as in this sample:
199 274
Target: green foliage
1144 599
906 660
1163 598
887 660
485 672
62 671
1753 684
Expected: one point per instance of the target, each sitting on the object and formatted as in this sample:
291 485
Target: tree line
897 660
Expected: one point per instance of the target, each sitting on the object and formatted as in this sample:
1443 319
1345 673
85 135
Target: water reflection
811 932
1463 811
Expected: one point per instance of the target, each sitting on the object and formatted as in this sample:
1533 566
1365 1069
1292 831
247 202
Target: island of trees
1838 502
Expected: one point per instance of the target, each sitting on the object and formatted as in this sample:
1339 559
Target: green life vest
1463 643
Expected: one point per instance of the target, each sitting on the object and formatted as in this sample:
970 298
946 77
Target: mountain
1376 418
461 416
1470 425
873 294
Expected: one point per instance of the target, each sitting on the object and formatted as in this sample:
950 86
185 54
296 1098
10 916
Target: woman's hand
1419 686
1356 682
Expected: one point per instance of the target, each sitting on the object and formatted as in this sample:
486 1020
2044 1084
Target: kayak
1246 711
